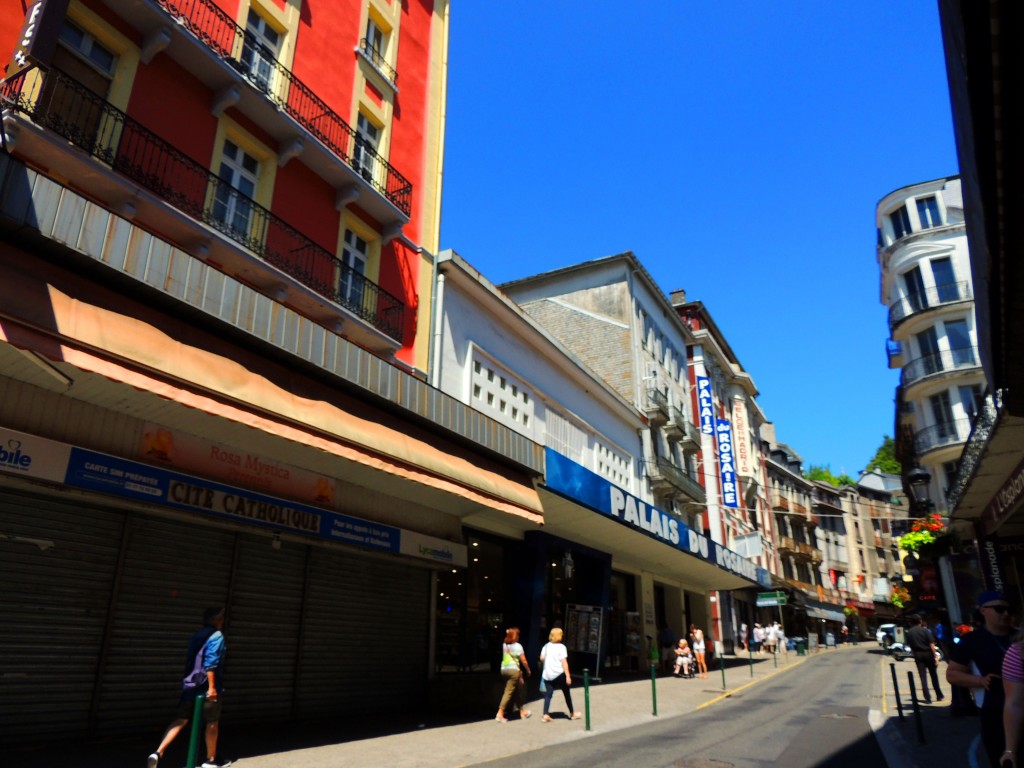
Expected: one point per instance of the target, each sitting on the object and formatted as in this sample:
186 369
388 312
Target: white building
606 549
926 283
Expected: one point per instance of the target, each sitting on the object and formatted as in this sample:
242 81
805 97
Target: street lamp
919 480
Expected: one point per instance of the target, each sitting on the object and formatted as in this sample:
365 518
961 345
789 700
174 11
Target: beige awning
135 351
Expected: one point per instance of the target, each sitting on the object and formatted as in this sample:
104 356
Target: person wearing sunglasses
976 662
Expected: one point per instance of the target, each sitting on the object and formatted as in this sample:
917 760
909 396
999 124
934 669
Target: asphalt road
816 717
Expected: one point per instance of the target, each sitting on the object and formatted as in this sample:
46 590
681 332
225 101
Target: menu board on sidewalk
583 628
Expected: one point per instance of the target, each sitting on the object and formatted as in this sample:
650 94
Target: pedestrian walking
758 638
699 650
1013 709
977 661
923 648
514 671
555 674
743 642
202 676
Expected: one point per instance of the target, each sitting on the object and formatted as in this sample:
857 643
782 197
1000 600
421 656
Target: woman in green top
514 670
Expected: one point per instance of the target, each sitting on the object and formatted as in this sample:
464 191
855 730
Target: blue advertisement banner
727 463
43 460
567 478
109 474
705 405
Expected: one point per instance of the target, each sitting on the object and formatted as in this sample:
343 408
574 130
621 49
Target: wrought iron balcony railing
673 481
929 298
59 103
258 64
940 435
939 362
377 59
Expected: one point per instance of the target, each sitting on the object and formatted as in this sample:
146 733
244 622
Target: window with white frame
900 221
364 156
87 47
928 212
238 176
354 254
500 395
260 50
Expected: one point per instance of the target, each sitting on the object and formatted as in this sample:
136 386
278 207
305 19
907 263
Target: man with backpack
202 677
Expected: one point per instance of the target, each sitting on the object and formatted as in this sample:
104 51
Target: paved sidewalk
940 739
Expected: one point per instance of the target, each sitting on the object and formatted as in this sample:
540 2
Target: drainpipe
436 304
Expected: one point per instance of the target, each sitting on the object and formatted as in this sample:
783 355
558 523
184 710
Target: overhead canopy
147 358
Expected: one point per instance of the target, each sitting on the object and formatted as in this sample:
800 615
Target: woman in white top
698 650
555 658
513 669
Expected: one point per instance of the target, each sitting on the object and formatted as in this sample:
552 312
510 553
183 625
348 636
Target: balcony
39 109
939 363
242 73
941 435
928 299
669 480
376 58
656 408
679 428
798 550
780 503
839 565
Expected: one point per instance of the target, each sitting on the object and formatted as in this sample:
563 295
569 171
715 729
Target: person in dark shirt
204 658
922 645
976 662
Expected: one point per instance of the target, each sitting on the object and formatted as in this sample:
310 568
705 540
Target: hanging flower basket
928 537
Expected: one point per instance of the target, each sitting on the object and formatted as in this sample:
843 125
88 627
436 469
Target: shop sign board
768 599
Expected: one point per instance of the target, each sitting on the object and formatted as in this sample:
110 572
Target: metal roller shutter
172 571
262 630
364 635
53 611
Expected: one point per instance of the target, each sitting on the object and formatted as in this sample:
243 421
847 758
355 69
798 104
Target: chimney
677 297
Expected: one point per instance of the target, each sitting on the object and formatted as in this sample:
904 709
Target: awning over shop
826 611
139 352
582 506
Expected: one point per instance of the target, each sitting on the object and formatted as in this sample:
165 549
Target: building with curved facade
926 284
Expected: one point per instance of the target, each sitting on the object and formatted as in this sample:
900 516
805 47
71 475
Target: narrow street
816 717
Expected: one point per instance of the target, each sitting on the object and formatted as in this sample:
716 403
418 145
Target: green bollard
775 655
721 666
751 654
586 695
193 739
654 689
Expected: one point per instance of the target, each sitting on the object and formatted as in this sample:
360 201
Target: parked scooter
901 651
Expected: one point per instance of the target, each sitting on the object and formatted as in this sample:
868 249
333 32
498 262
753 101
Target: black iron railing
378 60
66 107
939 362
258 64
941 434
929 298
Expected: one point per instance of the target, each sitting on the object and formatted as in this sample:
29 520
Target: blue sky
737 148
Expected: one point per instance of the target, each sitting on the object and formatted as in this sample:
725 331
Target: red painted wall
181 115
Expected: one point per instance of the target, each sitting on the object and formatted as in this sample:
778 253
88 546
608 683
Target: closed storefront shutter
57 569
172 571
262 630
365 636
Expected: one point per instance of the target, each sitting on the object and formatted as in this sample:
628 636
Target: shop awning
366 445
826 611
